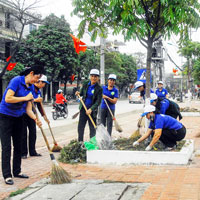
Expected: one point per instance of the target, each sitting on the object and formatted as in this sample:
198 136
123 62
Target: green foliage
146 20
124 66
51 47
15 72
73 153
20 191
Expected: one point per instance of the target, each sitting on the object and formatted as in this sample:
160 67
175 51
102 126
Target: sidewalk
164 182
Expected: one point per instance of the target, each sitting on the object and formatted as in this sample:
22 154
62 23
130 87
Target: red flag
78 44
10 65
72 77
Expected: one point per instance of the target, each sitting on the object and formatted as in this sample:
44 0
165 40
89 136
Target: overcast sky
64 7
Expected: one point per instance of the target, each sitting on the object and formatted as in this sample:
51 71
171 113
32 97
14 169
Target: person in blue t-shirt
140 86
91 93
30 123
165 106
110 95
161 92
12 107
163 127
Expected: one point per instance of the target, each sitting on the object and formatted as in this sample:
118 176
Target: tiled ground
167 182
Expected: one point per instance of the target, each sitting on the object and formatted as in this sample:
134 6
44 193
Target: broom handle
43 134
86 110
48 124
109 109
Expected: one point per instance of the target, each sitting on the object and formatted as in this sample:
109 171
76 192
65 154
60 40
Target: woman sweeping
12 106
91 93
110 95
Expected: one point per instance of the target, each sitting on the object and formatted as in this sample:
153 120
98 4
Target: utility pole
102 61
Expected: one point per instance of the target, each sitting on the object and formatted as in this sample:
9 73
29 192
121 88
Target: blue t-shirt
17 85
162 93
165 122
90 93
36 92
164 105
113 93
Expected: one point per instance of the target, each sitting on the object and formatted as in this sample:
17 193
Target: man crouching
163 127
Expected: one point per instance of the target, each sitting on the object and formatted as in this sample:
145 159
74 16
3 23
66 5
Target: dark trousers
83 118
107 120
10 127
170 137
30 124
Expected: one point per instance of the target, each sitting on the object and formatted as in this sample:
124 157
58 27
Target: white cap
138 84
94 72
44 79
59 91
160 82
153 97
148 109
112 76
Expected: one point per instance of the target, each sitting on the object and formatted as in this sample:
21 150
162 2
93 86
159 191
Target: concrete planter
117 157
190 114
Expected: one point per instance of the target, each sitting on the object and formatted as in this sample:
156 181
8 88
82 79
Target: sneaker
170 148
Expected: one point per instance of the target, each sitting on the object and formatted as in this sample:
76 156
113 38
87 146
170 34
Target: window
32 27
7 20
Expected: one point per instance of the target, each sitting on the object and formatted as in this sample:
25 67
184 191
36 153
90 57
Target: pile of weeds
74 152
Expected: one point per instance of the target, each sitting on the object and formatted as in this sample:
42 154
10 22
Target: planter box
117 157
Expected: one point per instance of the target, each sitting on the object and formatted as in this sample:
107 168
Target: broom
117 126
136 133
58 174
75 115
56 147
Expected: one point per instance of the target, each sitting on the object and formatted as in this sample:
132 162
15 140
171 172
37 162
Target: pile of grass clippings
73 153
127 144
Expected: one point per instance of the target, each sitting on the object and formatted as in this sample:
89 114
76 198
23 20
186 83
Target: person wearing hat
91 93
161 92
165 106
140 86
60 99
163 127
13 105
29 123
110 94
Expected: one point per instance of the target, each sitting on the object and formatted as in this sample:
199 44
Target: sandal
9 181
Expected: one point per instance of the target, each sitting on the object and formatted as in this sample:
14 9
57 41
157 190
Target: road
122 106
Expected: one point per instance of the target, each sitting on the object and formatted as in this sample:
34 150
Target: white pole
102 61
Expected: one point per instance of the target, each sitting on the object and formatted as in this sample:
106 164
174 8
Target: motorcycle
59 111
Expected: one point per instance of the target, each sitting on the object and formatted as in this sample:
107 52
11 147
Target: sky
64 7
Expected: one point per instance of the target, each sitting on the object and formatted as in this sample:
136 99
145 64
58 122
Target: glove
136 143
148 148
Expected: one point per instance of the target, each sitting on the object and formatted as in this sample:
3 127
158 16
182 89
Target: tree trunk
149 55
65 88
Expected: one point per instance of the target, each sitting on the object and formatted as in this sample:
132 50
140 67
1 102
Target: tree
20 15
145 20
51 46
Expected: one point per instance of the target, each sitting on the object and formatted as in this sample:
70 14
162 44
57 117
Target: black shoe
9 181
170 148
35 154
21 176
24 157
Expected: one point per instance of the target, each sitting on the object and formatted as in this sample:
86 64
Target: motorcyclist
60 99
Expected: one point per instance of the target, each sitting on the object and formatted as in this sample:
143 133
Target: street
122 106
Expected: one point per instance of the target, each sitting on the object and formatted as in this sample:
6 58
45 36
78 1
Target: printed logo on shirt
163 92
112 93
92 91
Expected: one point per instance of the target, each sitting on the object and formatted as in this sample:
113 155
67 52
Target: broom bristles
59 175
135 134
75 115
117 126
56 148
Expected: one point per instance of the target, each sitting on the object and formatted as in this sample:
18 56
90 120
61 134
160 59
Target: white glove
136 143
148 148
